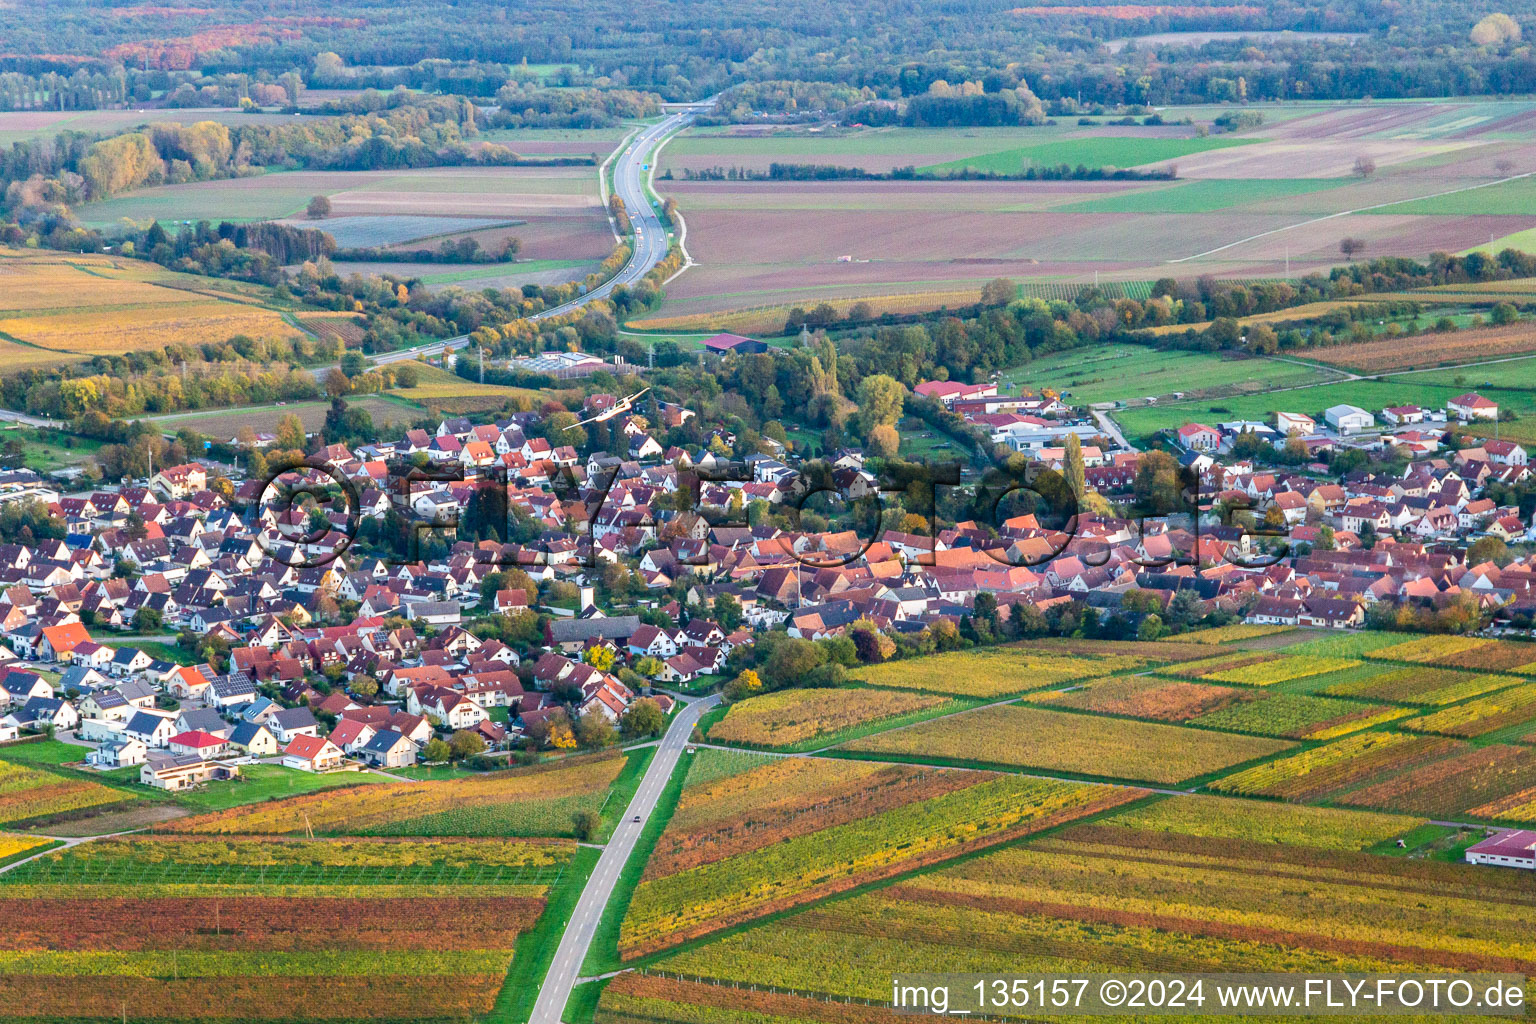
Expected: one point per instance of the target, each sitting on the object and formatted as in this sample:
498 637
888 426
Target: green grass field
1203 196
1513 197
1107 373
1371 395
259 782
1098 151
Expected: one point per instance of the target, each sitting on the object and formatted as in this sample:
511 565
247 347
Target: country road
578 934
650 238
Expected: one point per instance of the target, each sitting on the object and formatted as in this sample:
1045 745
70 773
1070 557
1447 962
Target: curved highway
650 235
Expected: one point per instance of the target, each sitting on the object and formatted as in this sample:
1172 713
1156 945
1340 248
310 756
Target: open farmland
534 802
560 206
1429 349
798 718
790 830
390 927
35 796
992 672
1260 203
1141 421
59 308
1456 785
1075 744
1336 767
1189 883
1107 373
1160 700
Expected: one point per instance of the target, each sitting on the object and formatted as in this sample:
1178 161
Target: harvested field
497 193
1029 737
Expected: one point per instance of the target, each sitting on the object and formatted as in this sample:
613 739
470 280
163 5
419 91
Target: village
643 573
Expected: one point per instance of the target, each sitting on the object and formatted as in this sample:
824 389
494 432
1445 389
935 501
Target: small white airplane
622 405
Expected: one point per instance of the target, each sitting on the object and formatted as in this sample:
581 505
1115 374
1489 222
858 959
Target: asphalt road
578 934
629 175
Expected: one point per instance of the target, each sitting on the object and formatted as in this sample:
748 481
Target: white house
1349 419
1472 406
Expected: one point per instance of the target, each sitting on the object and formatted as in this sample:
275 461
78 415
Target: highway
577 938
650 241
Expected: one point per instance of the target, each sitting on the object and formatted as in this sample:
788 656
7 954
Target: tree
290 433
1351 246
644 718
880 401
464 743
353 362
319 208
998 292
595 731
1072 466
884 442
1494 30
746 684
727 612
435 752
1365 166
1157 486
1488 549
585 825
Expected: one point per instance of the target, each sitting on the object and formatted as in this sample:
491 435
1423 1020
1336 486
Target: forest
77 53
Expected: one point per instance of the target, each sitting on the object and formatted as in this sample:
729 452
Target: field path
1346 213
577 937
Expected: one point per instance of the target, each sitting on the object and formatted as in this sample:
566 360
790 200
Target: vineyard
1455 785
993 672
793 717
1483 715
1471 653
1226 634
1316 773
1424 686
507 803
1299 716
197 862
792 830
1029 737
1185 884
33 795
1284 824
268 929
1161 700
